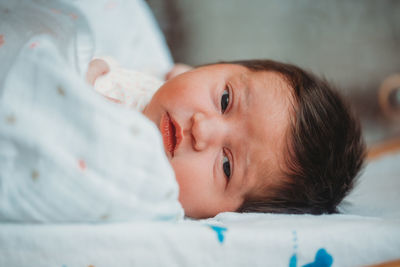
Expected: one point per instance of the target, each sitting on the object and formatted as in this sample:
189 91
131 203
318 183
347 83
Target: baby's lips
178 133
167 134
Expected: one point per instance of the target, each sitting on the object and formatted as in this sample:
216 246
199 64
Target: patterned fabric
66 153
131 88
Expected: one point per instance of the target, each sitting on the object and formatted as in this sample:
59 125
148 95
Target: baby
247 136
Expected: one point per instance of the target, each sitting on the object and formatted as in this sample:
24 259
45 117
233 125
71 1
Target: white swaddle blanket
66 153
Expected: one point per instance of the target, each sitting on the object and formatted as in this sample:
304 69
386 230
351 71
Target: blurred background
353 44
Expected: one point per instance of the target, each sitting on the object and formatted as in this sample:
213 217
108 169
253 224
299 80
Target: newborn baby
256 135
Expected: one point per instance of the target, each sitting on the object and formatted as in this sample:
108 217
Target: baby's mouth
170 131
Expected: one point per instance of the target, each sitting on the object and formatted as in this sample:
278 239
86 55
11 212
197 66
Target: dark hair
325 147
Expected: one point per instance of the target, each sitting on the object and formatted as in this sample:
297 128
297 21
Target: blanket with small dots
66 153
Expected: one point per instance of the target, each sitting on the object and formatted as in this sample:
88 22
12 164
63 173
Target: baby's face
222 126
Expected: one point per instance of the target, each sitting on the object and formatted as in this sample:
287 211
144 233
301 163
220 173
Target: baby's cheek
183 177
192 189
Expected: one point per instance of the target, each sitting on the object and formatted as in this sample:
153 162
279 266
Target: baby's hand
178 68
97 68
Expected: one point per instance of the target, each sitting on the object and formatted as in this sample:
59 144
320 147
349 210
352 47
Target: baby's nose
206 131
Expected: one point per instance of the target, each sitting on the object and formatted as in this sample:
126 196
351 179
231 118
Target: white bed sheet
228 240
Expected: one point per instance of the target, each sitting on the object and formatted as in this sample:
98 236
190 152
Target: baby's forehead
251 76
266 80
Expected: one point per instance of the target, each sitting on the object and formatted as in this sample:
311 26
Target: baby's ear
97 67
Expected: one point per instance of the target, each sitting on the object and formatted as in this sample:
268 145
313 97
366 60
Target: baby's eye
224 100
226 165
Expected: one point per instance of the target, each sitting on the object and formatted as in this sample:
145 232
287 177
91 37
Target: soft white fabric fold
66 153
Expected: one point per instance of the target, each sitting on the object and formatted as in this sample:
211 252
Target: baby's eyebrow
244 102
246 93
246 163
215 173
244 80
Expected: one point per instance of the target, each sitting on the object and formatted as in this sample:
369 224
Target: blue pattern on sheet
322 257
220 232
293 261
